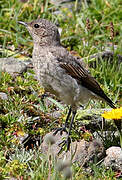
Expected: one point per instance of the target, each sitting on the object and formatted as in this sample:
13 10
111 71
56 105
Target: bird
62 73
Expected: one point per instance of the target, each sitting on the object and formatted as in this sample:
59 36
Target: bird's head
43 32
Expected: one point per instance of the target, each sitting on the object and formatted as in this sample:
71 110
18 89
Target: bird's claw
66 142
62 129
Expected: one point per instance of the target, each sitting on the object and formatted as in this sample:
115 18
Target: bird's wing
85 79
82 76
74 68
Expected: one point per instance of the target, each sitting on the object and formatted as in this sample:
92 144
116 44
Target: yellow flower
113 114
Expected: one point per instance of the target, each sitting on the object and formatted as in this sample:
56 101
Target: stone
113 158
83 152
69 4
54 148
3 96
88 152
13 65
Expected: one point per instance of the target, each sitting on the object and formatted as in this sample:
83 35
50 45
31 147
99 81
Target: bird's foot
62 129
64 143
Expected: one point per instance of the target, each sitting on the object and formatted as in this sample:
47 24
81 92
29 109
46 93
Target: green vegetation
84 32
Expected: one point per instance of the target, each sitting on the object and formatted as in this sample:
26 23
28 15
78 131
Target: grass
86 32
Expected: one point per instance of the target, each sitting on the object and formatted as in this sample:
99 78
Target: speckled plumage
56 68
55 79
61 73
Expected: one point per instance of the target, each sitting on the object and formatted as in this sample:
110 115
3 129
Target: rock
3 96
88 152
13 65
54 148
68 4
82 152
113 158
64 3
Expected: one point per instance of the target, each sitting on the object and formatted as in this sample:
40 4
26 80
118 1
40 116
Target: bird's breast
55 80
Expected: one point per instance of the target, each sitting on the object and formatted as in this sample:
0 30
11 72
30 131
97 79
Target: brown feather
80 74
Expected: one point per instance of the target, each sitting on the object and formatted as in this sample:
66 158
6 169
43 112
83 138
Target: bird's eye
36 25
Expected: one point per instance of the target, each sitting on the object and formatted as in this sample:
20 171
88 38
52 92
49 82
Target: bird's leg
69 113
65 125
68 139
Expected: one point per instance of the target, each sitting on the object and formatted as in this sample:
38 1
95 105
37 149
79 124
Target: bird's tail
109 102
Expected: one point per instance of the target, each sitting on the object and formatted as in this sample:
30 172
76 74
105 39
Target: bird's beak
23 23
